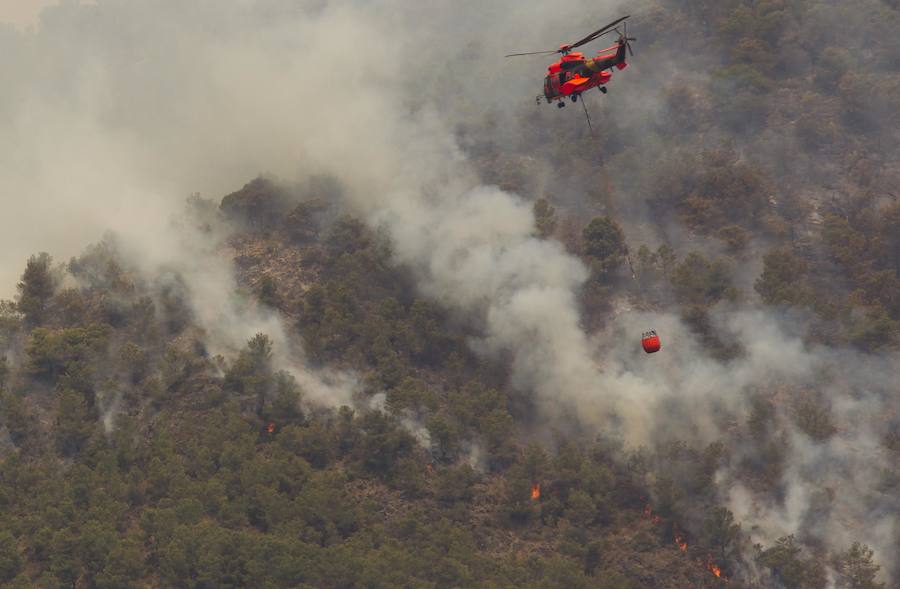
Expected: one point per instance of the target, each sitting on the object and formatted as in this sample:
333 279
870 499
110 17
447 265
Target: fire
683 545
679 539
271 428
535 491
648 513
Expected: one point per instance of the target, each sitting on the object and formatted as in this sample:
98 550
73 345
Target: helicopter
573 74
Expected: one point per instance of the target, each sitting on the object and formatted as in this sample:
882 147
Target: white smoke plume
119 109
833 487
114 111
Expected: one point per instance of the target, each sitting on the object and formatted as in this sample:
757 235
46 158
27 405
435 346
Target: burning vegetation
682 543
185 459
679 539
711 567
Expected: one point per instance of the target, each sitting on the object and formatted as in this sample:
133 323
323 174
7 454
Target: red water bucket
650 341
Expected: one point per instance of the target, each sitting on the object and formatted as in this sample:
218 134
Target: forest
315 391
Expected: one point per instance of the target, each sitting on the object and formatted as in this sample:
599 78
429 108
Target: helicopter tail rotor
627 40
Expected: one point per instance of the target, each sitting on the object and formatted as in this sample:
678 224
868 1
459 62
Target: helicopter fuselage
573 74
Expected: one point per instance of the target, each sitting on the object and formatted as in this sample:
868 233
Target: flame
711 567
648 513
271 428
535 491
430 468
679 539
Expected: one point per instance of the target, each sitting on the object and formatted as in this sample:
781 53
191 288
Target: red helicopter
573 74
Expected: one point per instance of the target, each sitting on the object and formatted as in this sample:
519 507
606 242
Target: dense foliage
132 456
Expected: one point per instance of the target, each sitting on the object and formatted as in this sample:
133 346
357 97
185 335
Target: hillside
412 357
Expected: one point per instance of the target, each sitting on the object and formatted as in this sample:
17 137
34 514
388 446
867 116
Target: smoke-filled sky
114 111
22 13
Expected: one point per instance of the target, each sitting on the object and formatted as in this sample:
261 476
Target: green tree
10 321
698 281
580 508
789 568
667 257
519 508
647 260
124 566
302 222
604 243
782 279
259 205
445 438
722 534
64 564
813 416
855 569
315 443
761 419
69 306
134 361
455 483
251 373
75 425
54 352
384 444
535 462
15 416
347 236
96 541
872 329
889 230
285 399
36 288
544 218
10 560
734 237
267 291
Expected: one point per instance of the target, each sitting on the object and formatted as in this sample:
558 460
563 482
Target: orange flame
648 513
679 539
535 491
271 428
711 566
430 468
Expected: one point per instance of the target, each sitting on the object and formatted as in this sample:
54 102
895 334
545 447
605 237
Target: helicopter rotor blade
566 48
532 53
597 33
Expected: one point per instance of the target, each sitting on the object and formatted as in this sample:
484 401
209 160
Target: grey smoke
113 113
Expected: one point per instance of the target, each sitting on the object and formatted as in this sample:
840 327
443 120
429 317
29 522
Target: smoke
833 488
118 110
22 13
114 112
229 320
